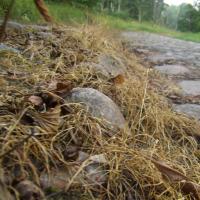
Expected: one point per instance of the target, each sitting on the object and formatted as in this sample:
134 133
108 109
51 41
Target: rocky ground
81 117
177 59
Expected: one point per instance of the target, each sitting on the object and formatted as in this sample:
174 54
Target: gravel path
179 59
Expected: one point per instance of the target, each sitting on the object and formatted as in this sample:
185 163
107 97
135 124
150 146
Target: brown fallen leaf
60 88
118 80
49 121
187 187
35 100
169 173
71 152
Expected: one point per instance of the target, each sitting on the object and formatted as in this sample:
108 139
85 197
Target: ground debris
59 145
175 177
29 191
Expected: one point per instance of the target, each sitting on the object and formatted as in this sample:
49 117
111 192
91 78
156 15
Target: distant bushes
122 15
25 10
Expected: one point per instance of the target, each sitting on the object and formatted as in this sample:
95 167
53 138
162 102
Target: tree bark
111 6
119 6
139 14
6 18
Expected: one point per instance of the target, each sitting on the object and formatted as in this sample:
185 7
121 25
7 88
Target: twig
143 101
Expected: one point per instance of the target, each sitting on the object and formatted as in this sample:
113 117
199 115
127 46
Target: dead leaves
118 80
188 187
48 121
35 100
60 87
47 112
175 177
169 173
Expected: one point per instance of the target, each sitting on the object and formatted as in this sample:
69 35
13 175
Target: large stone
172 69
109 66
192 110
99 105
190 87
94 171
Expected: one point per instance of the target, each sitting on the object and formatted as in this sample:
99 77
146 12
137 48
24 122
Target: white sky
178 2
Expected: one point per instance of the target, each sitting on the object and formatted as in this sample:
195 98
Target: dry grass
153 129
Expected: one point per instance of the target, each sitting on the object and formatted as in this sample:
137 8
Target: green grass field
25 11
132 25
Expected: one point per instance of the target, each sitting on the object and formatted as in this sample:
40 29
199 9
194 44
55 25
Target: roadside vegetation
50 141
54 148
71 14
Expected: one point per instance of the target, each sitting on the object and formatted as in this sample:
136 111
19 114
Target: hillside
82 118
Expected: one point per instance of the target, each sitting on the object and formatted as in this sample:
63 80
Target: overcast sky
178 2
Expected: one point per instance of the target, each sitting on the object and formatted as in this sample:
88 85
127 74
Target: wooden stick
43 10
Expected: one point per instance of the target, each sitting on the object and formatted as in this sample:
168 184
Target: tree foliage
185 17
189 18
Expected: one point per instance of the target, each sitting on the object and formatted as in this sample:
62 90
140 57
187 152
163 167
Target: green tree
189 18
170 16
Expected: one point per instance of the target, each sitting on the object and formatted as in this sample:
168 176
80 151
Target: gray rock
190 87
192 110
19 27
39 28
172 69
45 35
14 26
141 51
5 48
165 48
99 105
96 172
159 59
109 66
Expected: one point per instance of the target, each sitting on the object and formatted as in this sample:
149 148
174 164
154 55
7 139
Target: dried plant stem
17 145
143 100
